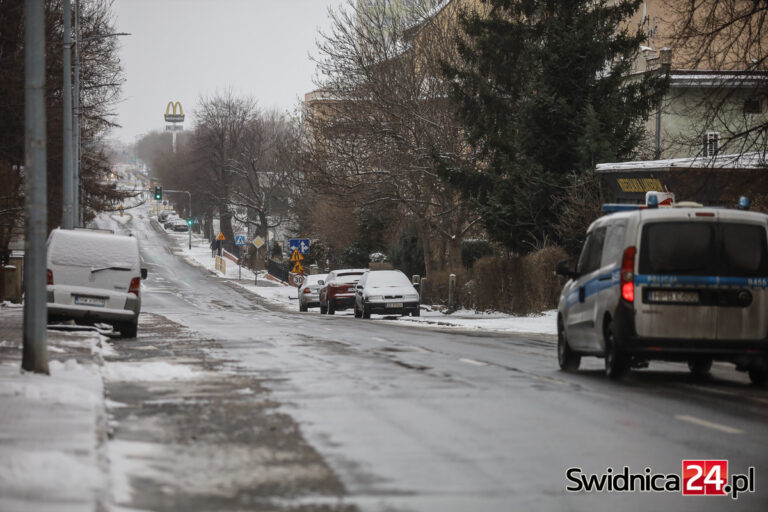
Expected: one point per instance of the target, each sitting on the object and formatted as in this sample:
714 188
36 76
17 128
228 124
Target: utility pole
35 356
76 211
67 179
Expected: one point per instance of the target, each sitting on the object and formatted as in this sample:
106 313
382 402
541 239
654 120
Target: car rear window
384 278
704 248
348 277
82 249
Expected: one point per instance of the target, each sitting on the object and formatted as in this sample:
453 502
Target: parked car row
171 221
387 292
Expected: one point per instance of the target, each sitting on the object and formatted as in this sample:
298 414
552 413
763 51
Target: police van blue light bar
619 207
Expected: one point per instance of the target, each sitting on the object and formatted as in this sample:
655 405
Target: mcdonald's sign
171 115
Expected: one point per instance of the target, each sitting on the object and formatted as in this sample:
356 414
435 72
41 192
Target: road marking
381 340
472 361
708 424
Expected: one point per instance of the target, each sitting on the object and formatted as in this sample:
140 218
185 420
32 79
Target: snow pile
152 371
50 432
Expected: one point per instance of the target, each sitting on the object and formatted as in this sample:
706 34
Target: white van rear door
677 259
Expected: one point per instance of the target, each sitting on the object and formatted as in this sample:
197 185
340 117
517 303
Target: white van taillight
135 286
627 277
50 277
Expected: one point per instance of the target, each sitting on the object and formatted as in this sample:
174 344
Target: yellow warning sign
221 236
296 257
297 268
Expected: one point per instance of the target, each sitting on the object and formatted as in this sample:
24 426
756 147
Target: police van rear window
704 249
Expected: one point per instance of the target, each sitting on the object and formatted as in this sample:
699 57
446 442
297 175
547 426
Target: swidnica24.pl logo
697 478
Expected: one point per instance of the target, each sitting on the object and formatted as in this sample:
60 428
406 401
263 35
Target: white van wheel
616 361
568 360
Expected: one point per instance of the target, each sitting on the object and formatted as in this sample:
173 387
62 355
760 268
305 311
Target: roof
755 160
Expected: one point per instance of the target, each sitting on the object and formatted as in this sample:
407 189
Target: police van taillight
627 277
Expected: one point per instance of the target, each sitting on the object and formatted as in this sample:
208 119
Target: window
704 249
753 106
711 143
681 248
592 251
743 251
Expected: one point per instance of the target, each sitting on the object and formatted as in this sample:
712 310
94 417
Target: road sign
165 203
221 236
258 242
297 268
240 240
302 244
296 280
196 220
296 257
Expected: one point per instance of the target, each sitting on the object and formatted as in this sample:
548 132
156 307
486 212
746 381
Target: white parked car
683 284
385 292
309 291
94 277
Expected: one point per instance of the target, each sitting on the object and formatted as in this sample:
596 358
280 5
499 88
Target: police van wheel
568 359
358 314
323 309
700 367
616 361
302 307
758 376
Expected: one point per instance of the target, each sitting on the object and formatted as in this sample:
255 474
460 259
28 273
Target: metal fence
278 270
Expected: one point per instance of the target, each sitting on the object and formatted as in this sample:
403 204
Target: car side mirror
321 282
143 273
359 287
563 269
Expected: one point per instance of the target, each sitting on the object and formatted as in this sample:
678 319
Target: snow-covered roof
744 161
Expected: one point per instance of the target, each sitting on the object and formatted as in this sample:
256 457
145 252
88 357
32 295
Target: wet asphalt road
421 419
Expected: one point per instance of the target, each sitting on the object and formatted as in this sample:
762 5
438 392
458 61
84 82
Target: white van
677 284
94 277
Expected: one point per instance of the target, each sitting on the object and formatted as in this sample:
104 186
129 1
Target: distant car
309 291
180 226
385 292
94 277
338 292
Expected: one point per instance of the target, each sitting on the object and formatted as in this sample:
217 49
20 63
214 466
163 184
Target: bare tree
383 116
730 36
264 168
222 130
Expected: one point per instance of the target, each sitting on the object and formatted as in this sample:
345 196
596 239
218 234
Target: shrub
516 285
473 250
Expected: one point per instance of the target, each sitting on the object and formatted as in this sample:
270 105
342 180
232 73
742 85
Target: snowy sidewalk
52 427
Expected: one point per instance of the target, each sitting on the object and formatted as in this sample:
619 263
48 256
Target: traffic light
158 193
189 221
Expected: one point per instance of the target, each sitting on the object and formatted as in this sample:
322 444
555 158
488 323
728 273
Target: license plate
674 296
394 305
89 301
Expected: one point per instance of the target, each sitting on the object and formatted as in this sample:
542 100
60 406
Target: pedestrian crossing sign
240 240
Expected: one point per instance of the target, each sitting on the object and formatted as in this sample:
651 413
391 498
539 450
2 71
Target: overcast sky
182 49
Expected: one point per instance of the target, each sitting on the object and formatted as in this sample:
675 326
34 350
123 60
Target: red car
338 292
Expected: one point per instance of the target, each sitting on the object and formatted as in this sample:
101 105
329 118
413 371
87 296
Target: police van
677 283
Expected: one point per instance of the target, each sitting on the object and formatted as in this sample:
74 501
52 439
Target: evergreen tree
543 89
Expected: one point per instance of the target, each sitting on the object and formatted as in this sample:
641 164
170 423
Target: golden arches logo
171 115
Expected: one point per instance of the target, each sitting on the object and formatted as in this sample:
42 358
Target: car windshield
387 279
